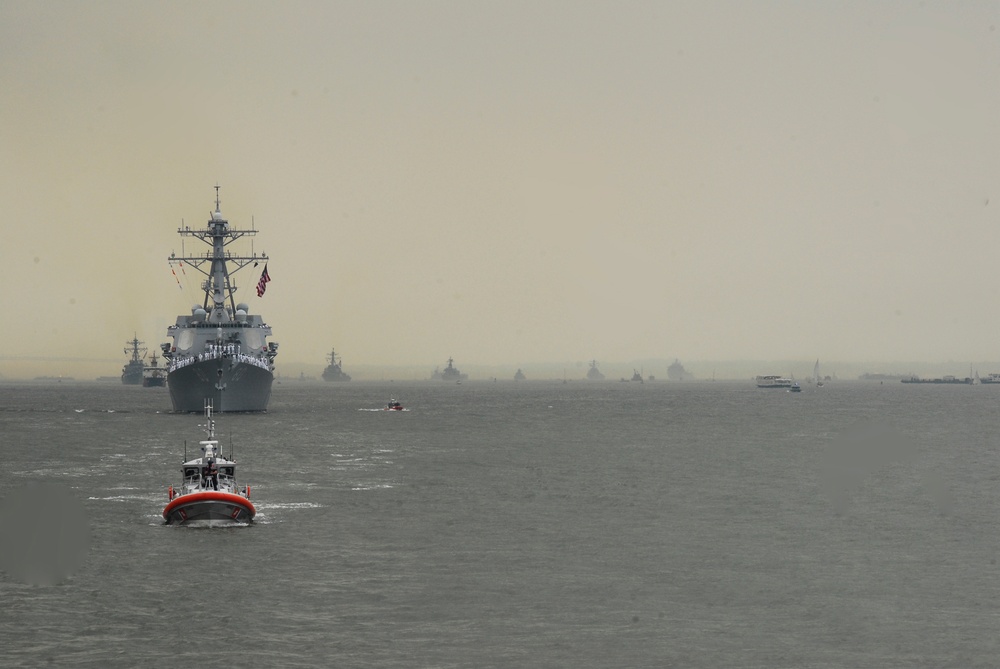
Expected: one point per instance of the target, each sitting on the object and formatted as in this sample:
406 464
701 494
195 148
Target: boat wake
205 524
290 505
274 512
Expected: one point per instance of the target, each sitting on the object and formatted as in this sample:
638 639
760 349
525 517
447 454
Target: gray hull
244 387
132 374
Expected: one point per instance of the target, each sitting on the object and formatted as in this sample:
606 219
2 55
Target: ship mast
219 287
136 349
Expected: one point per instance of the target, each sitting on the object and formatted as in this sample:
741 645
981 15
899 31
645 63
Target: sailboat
816 378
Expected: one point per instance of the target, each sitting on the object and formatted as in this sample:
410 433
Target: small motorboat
795 388
209 493
393 405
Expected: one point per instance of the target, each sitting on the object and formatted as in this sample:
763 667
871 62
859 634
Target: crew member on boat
210 475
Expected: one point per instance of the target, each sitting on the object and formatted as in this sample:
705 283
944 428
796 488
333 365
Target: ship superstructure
220 351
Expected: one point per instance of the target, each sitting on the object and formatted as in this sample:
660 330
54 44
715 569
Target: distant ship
450 373
773 381
944 379
676 371
594 374
817 379
154 376
132 371
519 375
220 352
636 376
869 376
333 372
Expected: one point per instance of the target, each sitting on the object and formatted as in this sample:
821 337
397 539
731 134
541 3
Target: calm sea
532 524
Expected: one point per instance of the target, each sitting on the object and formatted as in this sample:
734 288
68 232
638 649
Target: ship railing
227 483
217 353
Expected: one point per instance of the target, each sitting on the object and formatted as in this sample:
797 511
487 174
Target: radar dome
200 314
243 306
241 315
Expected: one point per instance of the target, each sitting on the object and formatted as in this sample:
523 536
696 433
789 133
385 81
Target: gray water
532 524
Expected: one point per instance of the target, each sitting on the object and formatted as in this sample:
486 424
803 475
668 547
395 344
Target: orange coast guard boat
209 493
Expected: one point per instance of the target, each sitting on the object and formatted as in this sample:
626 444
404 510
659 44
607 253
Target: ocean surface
503 524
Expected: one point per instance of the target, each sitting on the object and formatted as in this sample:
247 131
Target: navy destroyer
676 371
450 373
220 351
594 374
333 371
132 371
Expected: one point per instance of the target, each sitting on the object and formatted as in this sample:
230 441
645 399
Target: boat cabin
209 472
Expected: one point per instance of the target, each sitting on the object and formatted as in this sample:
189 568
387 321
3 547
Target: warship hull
231 386
335 375
132 375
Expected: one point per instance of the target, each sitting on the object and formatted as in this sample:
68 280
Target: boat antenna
185 450
217 203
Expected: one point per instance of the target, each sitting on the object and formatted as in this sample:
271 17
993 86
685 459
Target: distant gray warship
594 374
220 352
450 373
333 372
676 371
132 371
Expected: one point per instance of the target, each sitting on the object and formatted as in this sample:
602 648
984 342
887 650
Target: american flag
262 284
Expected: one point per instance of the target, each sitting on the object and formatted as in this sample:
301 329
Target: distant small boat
795 388
816 377
393 405
519 375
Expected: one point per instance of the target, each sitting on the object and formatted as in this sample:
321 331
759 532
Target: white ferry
773 381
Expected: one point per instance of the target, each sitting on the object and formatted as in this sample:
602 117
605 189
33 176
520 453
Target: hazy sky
509 182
